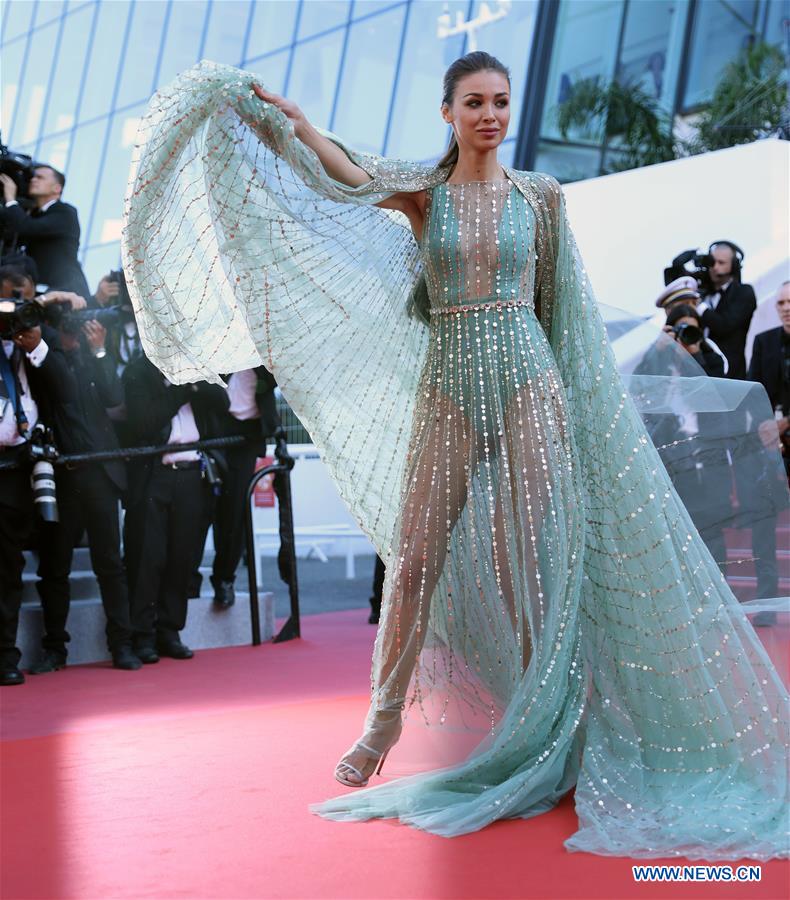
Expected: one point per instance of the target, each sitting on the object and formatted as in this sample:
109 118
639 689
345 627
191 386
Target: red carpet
192 779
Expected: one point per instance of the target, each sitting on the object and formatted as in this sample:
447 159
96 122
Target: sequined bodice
478 245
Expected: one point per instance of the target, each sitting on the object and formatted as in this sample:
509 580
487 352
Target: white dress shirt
183 430
9 432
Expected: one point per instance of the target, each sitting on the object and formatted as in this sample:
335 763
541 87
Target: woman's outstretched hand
288 107
334 160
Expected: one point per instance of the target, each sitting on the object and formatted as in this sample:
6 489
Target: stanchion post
282 472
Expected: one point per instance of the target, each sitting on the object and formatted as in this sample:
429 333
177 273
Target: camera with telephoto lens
687 334
17 315
701 264
42 450
64 318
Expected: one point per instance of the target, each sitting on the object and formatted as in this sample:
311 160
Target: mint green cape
652 694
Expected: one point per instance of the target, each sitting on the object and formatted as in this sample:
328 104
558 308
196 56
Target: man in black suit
167 504
88 499
770 366
50 232
33 379
253 414
726 310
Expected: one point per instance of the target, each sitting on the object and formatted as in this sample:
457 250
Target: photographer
123 339
50 232
88 497
33 379
690 443
770 366
684 292
684 326
168 502
727 305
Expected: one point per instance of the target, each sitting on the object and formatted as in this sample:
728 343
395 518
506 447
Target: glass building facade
78 74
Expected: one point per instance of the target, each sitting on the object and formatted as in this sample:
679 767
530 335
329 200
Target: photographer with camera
690 443
88 496
168 502
34 379
123 339
727 305
684 326
50 232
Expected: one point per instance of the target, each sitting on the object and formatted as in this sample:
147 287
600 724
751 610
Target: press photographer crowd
75 381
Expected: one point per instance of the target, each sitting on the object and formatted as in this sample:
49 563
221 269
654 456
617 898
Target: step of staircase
206 627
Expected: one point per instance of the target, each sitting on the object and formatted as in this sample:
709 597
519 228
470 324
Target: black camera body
117 276
17 315
687 334
700 269
19 167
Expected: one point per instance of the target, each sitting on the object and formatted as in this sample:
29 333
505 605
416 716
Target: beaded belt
477 307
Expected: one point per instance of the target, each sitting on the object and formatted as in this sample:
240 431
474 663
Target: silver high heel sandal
375 757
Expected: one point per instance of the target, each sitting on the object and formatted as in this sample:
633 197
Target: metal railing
282 487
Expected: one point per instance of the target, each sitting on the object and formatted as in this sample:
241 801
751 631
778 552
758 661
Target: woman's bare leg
435 497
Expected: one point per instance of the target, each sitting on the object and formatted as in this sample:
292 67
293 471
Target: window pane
81 169
726 26
108 217
105 53
272 27
48 10
225 38
510 40
55 151
13 56
320 15
567 163
61 109
776 29
272 70
17 19
417 130
368 74
182 43
314 76
652 46
142 52
27 124
585 46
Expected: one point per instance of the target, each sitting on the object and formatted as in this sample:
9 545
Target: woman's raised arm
335 162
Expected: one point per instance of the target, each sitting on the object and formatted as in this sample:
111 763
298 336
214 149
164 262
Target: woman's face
687 320
480 111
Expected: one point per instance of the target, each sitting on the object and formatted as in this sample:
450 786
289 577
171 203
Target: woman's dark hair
479 61
680 312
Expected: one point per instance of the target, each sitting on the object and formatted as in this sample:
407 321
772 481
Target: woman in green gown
551 616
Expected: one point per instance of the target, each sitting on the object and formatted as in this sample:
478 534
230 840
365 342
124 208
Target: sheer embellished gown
551 616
